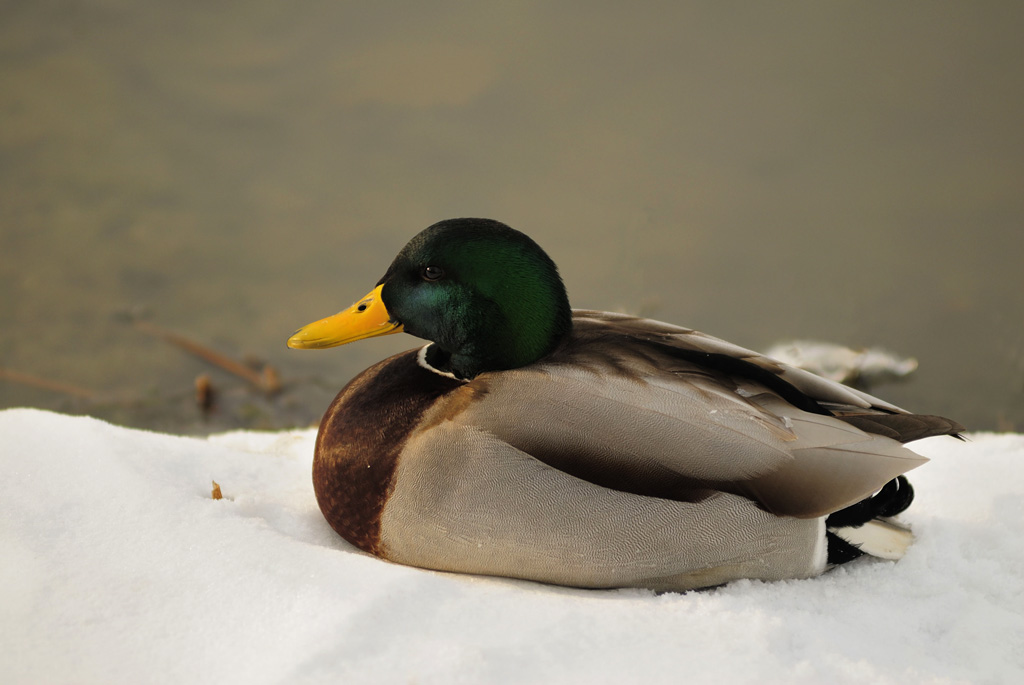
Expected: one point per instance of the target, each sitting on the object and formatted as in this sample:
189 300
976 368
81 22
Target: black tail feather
840 551
892 499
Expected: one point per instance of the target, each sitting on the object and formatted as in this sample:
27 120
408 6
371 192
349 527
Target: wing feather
627 404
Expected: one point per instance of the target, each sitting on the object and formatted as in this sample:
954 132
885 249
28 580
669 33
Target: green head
486 295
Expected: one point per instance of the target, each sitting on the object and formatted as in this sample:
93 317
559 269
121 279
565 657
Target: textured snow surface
117 566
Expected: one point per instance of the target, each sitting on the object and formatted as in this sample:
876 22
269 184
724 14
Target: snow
117 566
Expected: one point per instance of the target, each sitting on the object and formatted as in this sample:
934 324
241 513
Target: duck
592 449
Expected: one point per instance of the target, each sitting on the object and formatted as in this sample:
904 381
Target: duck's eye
432 273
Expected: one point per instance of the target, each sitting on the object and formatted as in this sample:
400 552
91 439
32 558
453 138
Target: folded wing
644 407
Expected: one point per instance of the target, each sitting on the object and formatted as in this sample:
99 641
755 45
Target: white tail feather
882 538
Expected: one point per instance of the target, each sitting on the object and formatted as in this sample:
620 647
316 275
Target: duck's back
658 410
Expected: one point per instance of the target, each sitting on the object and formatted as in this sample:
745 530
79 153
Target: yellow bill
367 318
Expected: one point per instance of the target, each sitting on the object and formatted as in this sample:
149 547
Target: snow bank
117 566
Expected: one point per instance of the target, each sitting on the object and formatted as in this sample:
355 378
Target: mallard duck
585 448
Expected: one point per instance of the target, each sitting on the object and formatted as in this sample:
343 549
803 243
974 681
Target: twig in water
266 379
44 383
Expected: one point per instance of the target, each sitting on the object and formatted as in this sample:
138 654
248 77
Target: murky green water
852 172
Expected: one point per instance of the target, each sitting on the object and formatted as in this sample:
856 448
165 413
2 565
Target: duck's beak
367 318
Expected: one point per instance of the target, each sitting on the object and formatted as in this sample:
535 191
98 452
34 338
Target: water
230 171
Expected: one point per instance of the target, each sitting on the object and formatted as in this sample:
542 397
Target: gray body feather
623 460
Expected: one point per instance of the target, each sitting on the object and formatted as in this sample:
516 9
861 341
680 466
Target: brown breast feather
360 439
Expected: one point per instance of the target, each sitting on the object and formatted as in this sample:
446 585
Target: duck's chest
361 438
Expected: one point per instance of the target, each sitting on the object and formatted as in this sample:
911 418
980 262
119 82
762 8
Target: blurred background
845 171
